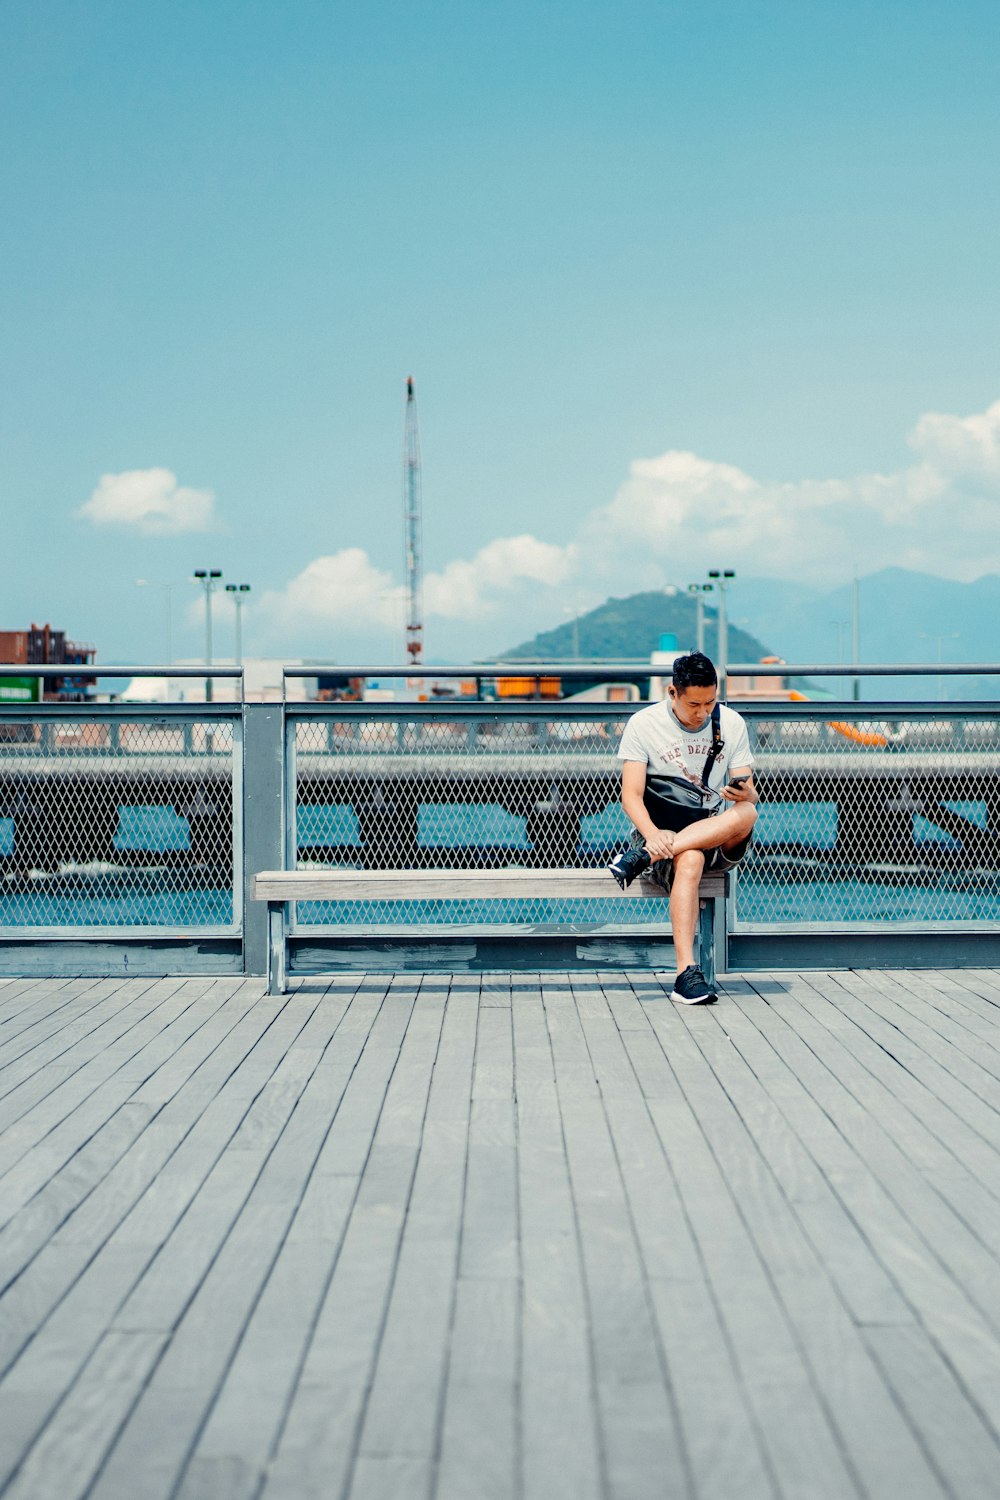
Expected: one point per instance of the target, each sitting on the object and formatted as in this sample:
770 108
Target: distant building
263 682
41 646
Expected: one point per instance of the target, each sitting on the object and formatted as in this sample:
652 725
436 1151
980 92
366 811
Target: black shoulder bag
673 802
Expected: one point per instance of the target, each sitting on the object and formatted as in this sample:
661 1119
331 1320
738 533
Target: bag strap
718 745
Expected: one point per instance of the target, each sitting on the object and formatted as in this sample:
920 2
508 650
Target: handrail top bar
93 669
558 709
629 671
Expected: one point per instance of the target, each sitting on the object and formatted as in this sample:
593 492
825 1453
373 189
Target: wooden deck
542 1236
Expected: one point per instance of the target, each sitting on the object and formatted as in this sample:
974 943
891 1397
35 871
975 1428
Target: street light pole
238 590
722 578
207 578
949 635
698 589
856 636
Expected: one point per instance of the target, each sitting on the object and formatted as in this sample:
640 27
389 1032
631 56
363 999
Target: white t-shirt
655 737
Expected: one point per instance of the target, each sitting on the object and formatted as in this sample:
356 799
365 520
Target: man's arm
659 842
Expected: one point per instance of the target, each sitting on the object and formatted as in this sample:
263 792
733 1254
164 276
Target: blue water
136 896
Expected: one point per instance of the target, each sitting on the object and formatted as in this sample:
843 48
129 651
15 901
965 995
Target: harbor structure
42 646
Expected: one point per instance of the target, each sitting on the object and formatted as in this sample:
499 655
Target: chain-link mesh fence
487 790
119 822
887 818
865 818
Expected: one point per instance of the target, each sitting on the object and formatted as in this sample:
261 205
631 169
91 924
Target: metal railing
873 816
134 820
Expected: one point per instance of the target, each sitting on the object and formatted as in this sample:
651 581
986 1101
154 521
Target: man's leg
728 830
688 867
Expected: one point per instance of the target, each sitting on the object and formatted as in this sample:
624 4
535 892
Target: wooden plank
969 1087
246 1418
78 1107
71 1209
479 1435
863 1283
47 1095
319 1441
947 1155
961 1114
402 1416
802 1449
774 1189
961 1003
642 1444
490 1225
58 1032
963 1450
77 1295
962 1147
46 999
70 1451
902 1218
275 1146
721 1446
954 1022
561 1455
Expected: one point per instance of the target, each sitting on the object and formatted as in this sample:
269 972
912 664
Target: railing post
263 819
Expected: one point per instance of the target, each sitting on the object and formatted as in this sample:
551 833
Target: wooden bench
279 887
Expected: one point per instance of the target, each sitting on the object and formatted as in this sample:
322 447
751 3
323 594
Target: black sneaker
628 864
692 988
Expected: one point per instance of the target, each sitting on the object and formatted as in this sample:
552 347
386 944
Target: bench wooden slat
403 885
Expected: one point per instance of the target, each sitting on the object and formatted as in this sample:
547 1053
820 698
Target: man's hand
745 793
661 845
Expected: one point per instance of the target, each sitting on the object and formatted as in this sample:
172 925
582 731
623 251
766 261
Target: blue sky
675 280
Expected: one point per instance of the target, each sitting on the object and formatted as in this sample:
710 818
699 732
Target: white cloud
680 514
150 501
344 590
468 588
961 448
674 516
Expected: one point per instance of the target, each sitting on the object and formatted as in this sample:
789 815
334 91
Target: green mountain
630 628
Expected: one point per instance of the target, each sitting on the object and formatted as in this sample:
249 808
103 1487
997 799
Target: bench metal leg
276 976
706 939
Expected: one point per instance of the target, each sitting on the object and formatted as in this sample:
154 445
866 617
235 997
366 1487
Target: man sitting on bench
687 787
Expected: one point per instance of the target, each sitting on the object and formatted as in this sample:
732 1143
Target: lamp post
208 577
949 635
855 636
149 583
698 589
238 590
722 578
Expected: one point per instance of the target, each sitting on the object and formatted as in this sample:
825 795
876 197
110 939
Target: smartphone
739 780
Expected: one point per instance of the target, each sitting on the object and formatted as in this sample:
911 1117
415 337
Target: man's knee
689 865
748 814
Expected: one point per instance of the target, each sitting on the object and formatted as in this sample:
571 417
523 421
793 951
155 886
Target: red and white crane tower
412 527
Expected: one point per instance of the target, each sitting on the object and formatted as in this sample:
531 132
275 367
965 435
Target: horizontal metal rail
94 669
468 708
634 671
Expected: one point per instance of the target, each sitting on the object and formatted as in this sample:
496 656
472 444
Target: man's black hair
693 670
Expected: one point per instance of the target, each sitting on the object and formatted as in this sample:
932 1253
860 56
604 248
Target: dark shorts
661 871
